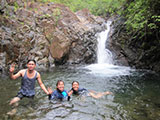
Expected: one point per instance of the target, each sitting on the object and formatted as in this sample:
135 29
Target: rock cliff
49 33
141 53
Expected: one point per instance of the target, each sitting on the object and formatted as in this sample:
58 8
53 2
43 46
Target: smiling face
31 65
60 86
75 86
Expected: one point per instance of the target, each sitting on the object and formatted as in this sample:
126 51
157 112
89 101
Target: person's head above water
31 60
75 85
60 85
31 64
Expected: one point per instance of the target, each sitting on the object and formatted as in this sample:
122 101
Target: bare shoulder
22 72
38 74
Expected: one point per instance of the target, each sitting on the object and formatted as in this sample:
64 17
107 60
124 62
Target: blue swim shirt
58 95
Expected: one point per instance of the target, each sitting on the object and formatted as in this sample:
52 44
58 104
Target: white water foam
105 61
108 69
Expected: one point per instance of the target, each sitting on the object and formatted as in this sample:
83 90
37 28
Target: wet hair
31 60
75 82
75 92
59 82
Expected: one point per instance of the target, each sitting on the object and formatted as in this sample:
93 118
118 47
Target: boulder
49 33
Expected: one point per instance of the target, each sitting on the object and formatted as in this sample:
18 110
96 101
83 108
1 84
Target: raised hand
50 90
12 68
70 92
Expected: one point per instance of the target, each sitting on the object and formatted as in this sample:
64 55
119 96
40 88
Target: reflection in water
135 97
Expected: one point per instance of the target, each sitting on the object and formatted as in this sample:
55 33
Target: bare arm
41 84
98 95
12 76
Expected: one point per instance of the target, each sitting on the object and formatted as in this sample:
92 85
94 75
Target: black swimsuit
81 91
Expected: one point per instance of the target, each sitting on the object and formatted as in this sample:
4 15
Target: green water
135 96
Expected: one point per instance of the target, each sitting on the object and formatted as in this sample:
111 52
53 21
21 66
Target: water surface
135 95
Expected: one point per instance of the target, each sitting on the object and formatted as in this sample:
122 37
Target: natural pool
135 95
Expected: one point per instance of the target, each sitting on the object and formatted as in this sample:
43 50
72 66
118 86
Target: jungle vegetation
142 17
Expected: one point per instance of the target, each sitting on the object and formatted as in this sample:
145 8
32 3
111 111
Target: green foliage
136 15
152 26
157 18
16 6
96 7
141 16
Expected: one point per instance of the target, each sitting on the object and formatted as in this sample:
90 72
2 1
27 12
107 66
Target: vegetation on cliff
49 33
141 26
142 16
96 7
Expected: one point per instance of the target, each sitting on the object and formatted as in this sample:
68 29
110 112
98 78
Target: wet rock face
74 39
49 33
139 53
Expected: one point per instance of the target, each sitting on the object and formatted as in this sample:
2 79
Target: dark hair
74 82
31 60
59 82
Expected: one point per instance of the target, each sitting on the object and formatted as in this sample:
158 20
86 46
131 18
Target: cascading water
105 61
104 55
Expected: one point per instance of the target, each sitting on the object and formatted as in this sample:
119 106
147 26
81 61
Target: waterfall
104 65
104 55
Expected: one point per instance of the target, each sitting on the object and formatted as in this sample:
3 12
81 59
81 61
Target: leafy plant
96 7
141 17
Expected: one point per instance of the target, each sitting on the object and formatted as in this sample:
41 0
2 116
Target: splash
105 63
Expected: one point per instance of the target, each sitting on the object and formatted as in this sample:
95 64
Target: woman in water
59 93
81 91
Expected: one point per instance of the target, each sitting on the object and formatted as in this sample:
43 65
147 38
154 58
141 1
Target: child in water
81 91
59 93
